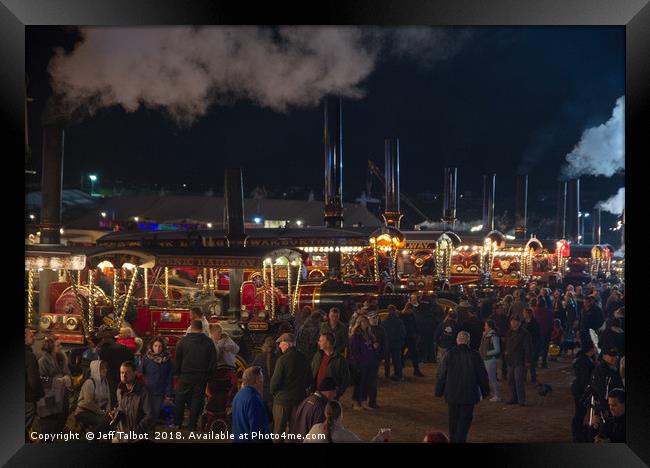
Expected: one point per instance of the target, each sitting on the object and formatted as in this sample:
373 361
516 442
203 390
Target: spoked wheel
219 425
240 367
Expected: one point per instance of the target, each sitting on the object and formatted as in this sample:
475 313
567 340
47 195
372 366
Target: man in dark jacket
289 384
474 327
518 348
336 328
446 334
328 363
583 367
613 336
134 409
410 341
532 327
438 316
614 302
196 360
33 386
591 317
461 376
463 308
114 354
426 327
605 378
312 409
614 428
308 333
395 337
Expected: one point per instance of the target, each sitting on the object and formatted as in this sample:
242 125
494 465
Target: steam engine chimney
392 213
560 218
573 210
449 201
333 145
234 199
596 226
51 184
521 206
489 188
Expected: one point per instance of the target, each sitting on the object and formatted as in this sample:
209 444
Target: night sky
511 99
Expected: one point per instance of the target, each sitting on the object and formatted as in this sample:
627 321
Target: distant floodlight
257 220
103 213
476 228
209 225
92 177
32 217
61 231
299 222
136 219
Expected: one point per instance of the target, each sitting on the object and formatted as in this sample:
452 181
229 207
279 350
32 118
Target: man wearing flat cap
606 377
518 351
312 409
289 383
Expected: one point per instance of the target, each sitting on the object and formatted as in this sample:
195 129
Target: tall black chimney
234 199
392 213
521 206
560 217
489 190
333 146
596 226
573 210
51 184
449 201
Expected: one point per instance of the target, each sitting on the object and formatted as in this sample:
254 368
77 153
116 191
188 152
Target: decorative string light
146 286
295 293
127 299
166 283
91 302
75 290
30 296
272 292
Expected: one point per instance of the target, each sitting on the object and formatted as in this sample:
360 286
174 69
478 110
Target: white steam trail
614 204
601 149
185 70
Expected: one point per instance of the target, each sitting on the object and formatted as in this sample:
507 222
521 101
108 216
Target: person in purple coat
363 358
544 317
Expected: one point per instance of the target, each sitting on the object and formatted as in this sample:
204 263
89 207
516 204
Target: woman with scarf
490 349
364 360
53 368
156 368
94 400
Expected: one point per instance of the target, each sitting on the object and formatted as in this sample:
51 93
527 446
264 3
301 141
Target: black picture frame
15 15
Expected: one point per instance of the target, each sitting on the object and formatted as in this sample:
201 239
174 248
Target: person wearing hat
583 367
606 377
518 352
289 384
312 409
446 334
114 354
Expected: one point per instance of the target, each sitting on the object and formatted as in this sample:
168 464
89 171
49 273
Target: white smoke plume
185 70
459 226
614 204
601 149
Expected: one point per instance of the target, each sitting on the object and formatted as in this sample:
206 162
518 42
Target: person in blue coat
249 416
156 367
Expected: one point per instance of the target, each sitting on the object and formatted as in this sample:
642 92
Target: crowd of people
293 388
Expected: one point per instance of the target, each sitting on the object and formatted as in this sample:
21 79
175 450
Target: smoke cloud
185 70
614 204
601 149
459 226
